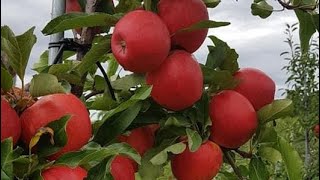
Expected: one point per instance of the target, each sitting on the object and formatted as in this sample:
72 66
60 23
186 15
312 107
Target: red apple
64 172
122 168
316 130
52 107
234 120
10 122
179 14
178 82
139 138
203 164
140 41
256 86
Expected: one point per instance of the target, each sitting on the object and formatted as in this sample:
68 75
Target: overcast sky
258 42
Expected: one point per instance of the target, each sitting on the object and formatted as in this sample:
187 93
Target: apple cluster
150 43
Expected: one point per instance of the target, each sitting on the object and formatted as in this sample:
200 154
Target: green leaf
6 159
18 49
277 109
205 24
125 6
96 154
79 19
102 103
315 20
177 121
219 80
222 56
212 3
99 83
262 9
202 108
194 140
96 52
112 66
150 171
265 135
306 29
59 127
128 81
42 63
101 170
57 69
291 159
141 94
43 84
162 156
6 80
7 33
270 154
110 129
258 169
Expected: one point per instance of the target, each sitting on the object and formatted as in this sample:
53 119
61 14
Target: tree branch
244 154
105 76
86 38
233 165
91 94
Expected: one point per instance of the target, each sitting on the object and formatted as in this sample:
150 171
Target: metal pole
58 8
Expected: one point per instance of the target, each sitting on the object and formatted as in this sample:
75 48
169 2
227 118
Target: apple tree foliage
273 152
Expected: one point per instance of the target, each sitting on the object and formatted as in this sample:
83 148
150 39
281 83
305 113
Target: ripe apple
316 130
202 164
234 120
122 168
256 86
179 14
64 172
10 122
140 41
52 107
141 139
178 82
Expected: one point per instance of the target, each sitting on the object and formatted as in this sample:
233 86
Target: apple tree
168 117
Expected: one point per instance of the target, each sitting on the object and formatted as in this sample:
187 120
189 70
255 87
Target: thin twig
233 165
244 154
105 76
91 94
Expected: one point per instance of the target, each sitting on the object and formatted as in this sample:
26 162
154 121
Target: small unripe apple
234 120
177 84
316 130
256 86
140 41
122 168
10 122
64 172
203 164
180 14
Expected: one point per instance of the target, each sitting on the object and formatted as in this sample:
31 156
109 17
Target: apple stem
233 165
